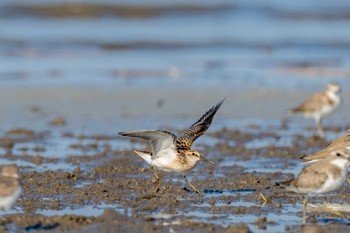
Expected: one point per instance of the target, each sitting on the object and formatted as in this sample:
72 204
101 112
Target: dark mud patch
113 188
87 10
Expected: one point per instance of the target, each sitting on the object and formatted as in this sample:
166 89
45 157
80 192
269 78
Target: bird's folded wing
313 103
311 177
7 186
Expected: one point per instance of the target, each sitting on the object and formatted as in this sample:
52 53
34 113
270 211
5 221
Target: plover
341 142
319 105
10 188
323 176
171 153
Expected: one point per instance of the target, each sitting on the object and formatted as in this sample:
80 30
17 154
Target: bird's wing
311 177
313 103
7 186
158 139
185 140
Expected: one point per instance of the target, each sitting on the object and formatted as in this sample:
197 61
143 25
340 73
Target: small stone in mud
58 121
237 229
38 149
278 205
23 149
312 219
68 135
38 160
35 109
21 131
77 172
260 220
7 143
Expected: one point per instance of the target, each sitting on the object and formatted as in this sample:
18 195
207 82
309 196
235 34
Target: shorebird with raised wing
319 105
171 153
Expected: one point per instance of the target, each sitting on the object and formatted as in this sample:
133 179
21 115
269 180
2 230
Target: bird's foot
156 182
193 187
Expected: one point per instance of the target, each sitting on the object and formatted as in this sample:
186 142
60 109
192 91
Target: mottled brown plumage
174 154
160 138
185 140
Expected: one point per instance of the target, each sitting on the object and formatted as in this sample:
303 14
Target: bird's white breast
164 159
8 201
332 183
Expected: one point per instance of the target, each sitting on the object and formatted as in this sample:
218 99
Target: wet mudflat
97 185
74 74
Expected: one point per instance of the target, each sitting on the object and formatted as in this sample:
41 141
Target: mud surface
101 187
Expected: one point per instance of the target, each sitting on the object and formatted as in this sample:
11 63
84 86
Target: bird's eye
338 154
193 154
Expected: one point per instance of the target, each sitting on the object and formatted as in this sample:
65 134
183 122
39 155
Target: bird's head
333 87
340 157
10 170
195 155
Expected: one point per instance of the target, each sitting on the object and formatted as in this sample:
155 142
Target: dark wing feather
185 140
158 139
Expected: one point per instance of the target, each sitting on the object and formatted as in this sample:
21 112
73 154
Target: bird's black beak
206 160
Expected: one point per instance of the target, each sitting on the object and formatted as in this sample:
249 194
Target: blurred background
107 66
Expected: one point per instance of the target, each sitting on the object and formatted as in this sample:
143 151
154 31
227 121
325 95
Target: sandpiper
323 176
319 105
171 153
341 142
10 188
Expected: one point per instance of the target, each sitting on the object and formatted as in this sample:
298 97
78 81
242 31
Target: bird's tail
147 156
284 183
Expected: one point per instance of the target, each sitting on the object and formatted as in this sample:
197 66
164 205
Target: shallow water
86 210
265 165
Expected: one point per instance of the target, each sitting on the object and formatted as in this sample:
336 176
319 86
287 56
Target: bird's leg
319 127
194 188
156 182
304 209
